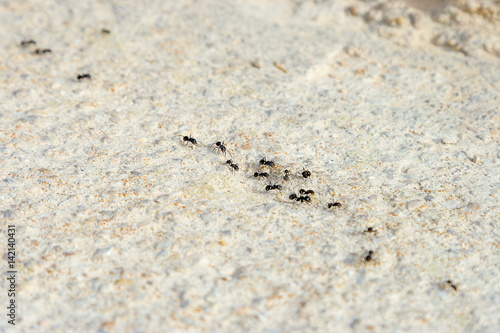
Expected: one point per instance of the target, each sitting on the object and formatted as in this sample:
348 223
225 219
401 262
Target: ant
334 204
83 76
105 31
294 196
42 51
261 174
306 173
306 199
370 230
302 191
273 187
369 256
287 175
220 146
25 43
265 162
451 284
186 138
232 165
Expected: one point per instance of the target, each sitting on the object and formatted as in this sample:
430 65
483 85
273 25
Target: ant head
185 138
292 196
218 143
262 161
256 174
229 162
302 191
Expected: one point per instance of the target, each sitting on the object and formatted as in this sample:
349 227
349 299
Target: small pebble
475 206
450 140
255 64
108 213
352 10
495 133
395 21
415 20
162 198
414 204
124 282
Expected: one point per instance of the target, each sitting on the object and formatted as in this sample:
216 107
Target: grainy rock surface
122 226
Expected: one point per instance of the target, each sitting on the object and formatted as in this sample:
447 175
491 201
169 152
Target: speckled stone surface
122 226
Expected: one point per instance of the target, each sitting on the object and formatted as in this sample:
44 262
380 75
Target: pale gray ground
393 106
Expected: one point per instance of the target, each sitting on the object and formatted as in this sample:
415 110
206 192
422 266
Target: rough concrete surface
122 225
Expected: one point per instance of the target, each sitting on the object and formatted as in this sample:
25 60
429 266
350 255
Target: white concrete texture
393 106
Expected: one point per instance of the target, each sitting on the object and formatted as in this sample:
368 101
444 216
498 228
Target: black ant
294 196
25 43
186 138
334 204
304 198
302 191
451 284
261 174
232 165
273 187
105 31
83 76
370 230
287 175
369 256
306 174
42 51
265 162
220 146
